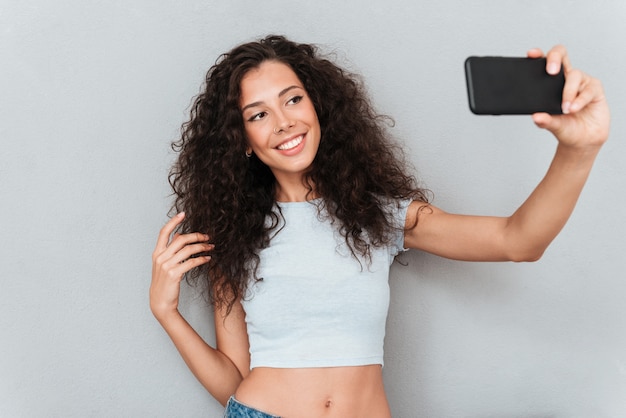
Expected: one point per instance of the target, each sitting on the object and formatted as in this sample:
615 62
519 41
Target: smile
290 144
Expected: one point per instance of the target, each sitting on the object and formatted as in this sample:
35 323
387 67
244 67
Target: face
279 120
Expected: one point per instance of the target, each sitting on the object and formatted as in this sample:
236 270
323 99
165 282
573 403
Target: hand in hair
171 259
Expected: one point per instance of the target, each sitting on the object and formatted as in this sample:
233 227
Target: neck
294 192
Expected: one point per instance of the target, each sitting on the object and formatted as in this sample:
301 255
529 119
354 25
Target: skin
358 391
278 114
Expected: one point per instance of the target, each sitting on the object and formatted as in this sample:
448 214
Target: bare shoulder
418 213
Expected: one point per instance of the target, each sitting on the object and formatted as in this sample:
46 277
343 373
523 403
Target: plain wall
92 94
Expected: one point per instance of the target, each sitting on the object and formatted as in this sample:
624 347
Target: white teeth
291 144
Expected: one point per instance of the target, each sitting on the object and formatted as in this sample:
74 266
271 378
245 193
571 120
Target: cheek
252 137
314 119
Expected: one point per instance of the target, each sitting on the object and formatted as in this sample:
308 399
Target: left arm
524 236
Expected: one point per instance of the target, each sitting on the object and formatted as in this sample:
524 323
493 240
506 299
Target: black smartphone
512 86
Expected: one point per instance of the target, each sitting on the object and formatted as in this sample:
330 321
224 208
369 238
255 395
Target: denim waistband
235 409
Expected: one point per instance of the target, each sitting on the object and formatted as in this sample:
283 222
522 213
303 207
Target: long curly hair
358 169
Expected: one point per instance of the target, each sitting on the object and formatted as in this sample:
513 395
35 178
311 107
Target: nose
283 122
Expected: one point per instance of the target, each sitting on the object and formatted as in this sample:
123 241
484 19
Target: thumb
547 121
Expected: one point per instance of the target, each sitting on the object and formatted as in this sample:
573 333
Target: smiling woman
281 125
293 203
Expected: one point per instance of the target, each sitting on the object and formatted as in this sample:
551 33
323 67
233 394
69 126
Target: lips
290 143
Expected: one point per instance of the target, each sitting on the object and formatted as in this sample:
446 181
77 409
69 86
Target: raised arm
221 369
524 236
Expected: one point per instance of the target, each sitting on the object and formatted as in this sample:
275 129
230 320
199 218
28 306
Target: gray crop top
317 306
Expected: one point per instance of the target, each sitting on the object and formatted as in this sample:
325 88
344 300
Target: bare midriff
330 392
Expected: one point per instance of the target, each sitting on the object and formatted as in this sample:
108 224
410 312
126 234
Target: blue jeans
235 409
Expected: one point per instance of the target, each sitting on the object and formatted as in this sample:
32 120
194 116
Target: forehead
266 81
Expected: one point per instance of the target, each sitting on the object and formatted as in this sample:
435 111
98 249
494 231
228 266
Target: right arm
220 369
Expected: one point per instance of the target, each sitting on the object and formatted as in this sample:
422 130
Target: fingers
189 252
166 277
166 231
177 270
580 90
574 95
556 58
586 118
576 92
181 249
182 252
174 255
179 242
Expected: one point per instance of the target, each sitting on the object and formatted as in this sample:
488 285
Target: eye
295 100
257 116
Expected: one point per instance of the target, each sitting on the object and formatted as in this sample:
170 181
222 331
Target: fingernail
566 107
180 214
553 68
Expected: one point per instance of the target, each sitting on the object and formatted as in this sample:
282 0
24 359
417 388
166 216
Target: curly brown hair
230 197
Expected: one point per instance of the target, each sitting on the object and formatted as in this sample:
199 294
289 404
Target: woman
293 203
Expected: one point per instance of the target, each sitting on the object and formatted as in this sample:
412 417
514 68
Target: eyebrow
282 93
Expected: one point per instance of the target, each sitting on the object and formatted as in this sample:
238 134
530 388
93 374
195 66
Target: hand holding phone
512 86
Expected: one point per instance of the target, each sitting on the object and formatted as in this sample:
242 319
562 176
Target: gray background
92 93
